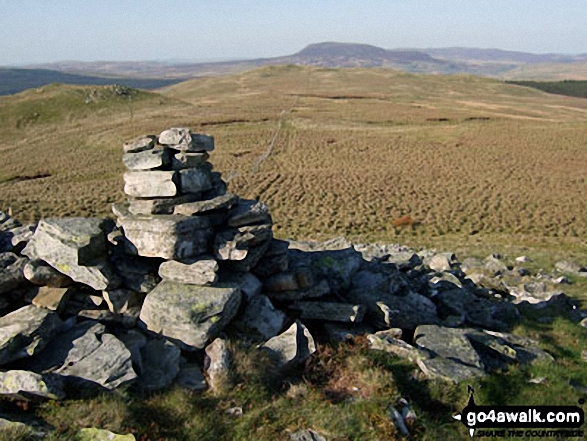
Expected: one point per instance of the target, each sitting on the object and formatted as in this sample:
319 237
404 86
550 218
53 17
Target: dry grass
354 152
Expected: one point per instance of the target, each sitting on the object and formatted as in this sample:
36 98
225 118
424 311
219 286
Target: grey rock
450 343
291 347
88 353
190 377
160 361
159 205
95 434
147 160
140 144
120 300
224 202
18 237
261 319
151 184
395 346
406 312
248 212
440 263
183 139
321 289
197 271
75 247
329 311
190 314
187 160
249 285
566 266
218 370
234 244
195 180
166 236
286 281
19 384
139 274
39 273
254 255
494 265
446 280
11 272
448 370
134 341
274 260
523 259
127 319
26 332
306 435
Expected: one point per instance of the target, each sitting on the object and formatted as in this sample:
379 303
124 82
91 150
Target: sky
41 31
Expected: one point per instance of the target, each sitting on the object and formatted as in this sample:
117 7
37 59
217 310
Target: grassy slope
355 150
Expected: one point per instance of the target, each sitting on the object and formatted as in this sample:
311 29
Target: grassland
456 162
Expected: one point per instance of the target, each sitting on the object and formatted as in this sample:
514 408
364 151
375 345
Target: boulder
194 180
95 434
11 272
183 139
26 331
39 273
236 243
440 263
187 160
395 346
260 318
190 315
448 370
25 385
151 184
196 271
140 144
290 348
249 285
450 343
329 311
406 312
218 370
147 160
160 361
75 247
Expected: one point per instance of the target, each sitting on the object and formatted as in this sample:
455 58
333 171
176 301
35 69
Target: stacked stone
178 210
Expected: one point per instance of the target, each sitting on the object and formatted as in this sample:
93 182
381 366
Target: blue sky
34 31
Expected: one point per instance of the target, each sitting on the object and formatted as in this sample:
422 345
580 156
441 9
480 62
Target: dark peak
332 49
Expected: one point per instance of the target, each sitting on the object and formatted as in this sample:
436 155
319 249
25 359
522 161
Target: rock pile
95 303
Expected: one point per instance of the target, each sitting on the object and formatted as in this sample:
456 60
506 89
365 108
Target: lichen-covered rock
26 332
196 271
218 369
27 385
183 139
190 315
95 434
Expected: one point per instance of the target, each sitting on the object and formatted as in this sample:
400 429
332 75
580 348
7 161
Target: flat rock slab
160 205
75 247
183 160
224 202
197 271
151 184
195 180
88 353
248 212
183 139
139 144
291 347
167 236
26 332
450 343
54 299
147 160
190 315
330 311
448 370
407 312
19 384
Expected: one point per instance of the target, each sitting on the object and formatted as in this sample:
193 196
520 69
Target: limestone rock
260 318
75 247
139 274
167 236
448 370
184 140
26 332
306 435
329 311
566 266
188 160
147 159
88 353
449 343
27 385
197 271
224 202
148 206
219 366
151 184
120 300
291 347
39 273
395 346
247 213
321 289
160 364
190 314
139 144
95 434
235 244
11 271
274 260
406 312
195 180
249 285
439 263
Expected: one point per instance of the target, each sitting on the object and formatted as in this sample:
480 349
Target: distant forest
17 80
567 87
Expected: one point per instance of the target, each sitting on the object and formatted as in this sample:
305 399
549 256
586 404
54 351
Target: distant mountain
484 62
500 56
17 80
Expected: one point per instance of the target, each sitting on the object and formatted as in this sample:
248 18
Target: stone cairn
89 303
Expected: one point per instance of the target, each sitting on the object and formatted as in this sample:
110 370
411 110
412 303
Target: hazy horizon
147 30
